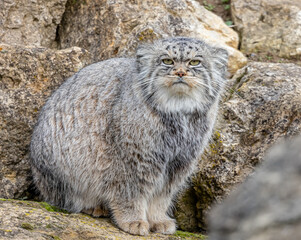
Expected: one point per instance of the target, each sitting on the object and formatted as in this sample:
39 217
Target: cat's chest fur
173 146
169 141
182 138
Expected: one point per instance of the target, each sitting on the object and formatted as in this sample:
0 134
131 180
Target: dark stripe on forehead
182 50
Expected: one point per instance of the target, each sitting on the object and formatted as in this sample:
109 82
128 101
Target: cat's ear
144 55
220 58
144 49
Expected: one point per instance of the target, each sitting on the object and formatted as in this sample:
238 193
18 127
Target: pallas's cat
125 134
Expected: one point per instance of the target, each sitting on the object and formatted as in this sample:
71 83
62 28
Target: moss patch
6 230
189 236
55 237
186 211
27 226
51 208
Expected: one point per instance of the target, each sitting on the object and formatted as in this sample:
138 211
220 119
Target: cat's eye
194 62
167 61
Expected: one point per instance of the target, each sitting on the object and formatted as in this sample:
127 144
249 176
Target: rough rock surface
262 105
269 26
30 22
25 220
27 78
114 28
267 205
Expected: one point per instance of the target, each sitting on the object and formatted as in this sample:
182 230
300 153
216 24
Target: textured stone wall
117 27
269 26
30 22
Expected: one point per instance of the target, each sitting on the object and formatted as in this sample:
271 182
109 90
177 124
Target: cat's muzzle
180 80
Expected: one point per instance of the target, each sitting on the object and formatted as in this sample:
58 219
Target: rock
186 210
22 220
30 22
115 28
262 105
28 75
269 26
267 205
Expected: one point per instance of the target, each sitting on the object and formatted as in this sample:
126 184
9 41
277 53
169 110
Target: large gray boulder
115 28
269 26
267 206
28 75
28 22
262 104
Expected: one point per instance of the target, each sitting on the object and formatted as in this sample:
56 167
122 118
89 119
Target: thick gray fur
121 134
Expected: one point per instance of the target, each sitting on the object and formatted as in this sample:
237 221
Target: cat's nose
180 73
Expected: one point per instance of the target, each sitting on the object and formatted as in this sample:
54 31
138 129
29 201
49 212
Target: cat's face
181 74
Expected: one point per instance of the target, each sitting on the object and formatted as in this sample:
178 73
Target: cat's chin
179 100
180 89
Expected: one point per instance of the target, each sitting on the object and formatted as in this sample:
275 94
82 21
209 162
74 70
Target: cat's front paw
135 227
165 227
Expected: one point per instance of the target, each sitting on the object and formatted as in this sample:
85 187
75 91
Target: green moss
48 226
75 2
6 230
206 189
186 211
27 226
55 237
208 6
216 146
50 208
189 235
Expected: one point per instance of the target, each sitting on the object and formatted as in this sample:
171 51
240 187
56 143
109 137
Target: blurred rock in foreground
267 206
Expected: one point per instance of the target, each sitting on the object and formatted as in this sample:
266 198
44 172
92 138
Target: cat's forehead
183 47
